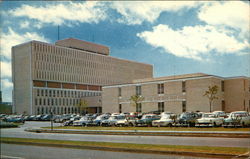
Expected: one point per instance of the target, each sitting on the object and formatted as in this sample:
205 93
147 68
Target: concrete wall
236 92
21 75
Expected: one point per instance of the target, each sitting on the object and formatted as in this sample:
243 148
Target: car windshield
112 118
165 117
146 117
120 117
209 115
239 114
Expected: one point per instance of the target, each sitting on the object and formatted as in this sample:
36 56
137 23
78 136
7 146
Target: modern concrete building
178 94
47 76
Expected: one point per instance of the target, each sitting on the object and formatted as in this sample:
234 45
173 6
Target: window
119 92
138 107
41 92
160 88
161 106
38 92
138 90
35 101
183 86
223 105
222 86
183 106
120 108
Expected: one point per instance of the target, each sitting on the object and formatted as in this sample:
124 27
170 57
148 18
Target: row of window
64 93
57 110
56 102
160 89
160 107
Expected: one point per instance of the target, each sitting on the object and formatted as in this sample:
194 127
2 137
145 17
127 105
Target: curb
199 154
221 135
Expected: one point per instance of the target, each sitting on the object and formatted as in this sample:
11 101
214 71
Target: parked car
187 119
111 121
146 120
62 118
14 119
166 120
97 121
209 119
220 114
71 120
84 121
127 121
47 117
237 118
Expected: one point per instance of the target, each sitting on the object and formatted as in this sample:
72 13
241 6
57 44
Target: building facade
57 77
178 94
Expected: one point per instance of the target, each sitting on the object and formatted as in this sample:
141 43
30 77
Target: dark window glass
120 108
138 107
183 106
222 86
183 86
161 106
160 88
138 90
119 91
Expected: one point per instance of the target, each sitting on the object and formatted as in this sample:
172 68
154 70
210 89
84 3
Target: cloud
12 38
234 14
197 42
133 13
7 87
24 24
6 83
57 14
5 69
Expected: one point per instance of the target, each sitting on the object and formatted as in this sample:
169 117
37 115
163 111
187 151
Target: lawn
86 144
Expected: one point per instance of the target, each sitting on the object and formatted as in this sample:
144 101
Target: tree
83 104
135 99
211 94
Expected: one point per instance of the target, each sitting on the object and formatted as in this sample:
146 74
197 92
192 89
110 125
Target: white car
220 114
237 118
127 121
166 120
209 119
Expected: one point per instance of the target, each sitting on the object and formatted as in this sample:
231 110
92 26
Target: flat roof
83 45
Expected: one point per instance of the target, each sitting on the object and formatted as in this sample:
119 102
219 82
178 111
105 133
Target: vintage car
220 114
166 120
71 120
146 120
111 121
127 121
209 119
237 118
84 121
187 119
99 119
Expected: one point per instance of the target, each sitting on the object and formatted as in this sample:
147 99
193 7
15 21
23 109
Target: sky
176 37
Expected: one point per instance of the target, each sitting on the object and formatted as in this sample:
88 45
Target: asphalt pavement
163 140
39 152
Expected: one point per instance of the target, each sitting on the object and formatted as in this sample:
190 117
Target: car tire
214 124
170 125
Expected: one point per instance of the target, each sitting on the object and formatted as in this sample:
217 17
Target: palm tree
211 94
135 99
83 104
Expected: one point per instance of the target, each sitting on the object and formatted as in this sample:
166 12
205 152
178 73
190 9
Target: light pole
51 119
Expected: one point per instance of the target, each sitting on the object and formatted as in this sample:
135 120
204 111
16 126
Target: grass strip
152 128
130 146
